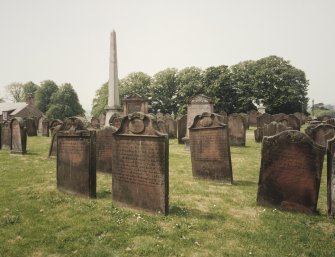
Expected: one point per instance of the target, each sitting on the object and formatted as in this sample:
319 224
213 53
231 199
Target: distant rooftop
16 107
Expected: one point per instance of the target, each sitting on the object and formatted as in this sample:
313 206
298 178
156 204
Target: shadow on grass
186 212
244 183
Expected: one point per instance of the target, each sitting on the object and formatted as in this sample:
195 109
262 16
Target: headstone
30 125
253 114
19 136
263 119
45 128
274 128
170 126
224 116
140 166
53 144
288 120
245 119
331 177
290 173
237 130
104 149
40 125
161 123
95 122
321 133
76 160
301 117
181 128
210 150
135 103
115 120
331 121
54 123
6 136
102 119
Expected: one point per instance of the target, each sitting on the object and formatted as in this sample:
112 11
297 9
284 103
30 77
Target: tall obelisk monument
113 83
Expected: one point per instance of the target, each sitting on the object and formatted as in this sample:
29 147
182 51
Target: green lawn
206 218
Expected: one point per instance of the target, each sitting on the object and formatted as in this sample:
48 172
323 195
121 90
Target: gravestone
95 123
331 177
104 149
253 114
245 119
301 117
274 128
102 119
263 119
210 150
135 103
237 130
321 133
6 136
53 144
115 120
224 116
290 173
40 125
170 126
45 128
161 123
19 136
181 128
54 123
331 121
140 166
31 128
76 160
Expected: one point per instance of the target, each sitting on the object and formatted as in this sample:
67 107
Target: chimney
30 99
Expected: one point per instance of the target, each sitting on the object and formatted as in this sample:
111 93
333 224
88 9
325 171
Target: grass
206 218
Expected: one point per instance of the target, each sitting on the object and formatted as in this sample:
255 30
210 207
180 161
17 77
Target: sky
67 41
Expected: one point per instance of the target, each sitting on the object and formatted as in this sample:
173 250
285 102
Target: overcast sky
68 40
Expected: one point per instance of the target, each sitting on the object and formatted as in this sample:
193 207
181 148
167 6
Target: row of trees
282 87
57 102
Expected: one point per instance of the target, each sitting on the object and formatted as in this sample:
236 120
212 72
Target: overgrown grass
206 218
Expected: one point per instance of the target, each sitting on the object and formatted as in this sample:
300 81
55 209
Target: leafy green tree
135 83
30 87
163 91
64 103
100 100
15 92
282 86
44 93
218 86
189 83
2 100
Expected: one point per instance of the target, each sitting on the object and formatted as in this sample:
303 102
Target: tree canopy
44 93
15 92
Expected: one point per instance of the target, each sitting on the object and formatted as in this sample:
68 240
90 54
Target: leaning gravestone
30 125
290 173
140 164
321 133
331 177
6 136
76 162
181 128
210 150
237 130
19 136
104 149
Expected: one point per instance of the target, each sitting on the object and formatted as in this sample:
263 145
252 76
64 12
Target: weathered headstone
253 114
104 149
6 136
263 119
76 160
140 166
290 173
95 122
53 144
181 128
331 177
321 133
115 120
30 125
161 123
245 119
40 125
45 128
170 126
237 130
274 128
135 103
54 123
19 136
210 150
224 116
288 120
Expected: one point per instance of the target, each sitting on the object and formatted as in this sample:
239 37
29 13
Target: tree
189 83
135 83
282 86
2 100
163 91
64 103
44 93
29 88
15 92
100 100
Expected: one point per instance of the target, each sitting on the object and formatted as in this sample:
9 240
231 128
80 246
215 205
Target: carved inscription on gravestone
331 177
104 149
290 173
76 159
140 164
210 150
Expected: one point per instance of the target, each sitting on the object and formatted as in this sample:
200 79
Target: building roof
16 107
